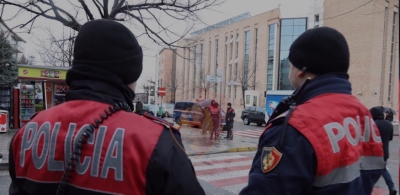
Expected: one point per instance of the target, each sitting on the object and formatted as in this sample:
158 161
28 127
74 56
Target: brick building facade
168 75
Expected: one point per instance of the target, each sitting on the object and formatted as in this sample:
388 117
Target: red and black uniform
330 145
126 154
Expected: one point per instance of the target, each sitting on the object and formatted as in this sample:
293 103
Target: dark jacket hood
377 113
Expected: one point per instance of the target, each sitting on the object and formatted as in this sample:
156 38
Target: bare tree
201 82
173 83
23 60
56 50
138 14
244 78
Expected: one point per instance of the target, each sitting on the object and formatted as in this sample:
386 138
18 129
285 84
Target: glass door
27 103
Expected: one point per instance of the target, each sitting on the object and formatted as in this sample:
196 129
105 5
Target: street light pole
157 64
156 88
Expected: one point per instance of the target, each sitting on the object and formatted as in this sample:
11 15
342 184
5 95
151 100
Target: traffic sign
215 79
161 91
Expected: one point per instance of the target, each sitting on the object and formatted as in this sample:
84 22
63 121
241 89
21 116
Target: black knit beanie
320 51
110 46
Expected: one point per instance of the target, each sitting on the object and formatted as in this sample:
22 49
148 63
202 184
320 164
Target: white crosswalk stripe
254 133
226 172
230 172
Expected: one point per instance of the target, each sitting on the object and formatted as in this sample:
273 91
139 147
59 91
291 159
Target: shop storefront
40 88
6 104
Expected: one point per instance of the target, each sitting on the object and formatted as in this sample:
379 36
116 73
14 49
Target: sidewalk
392 164
197 144
5 139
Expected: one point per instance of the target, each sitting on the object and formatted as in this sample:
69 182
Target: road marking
230 172
255 133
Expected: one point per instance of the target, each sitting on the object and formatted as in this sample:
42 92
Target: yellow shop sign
41 73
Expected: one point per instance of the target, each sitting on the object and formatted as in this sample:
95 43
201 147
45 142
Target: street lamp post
156 88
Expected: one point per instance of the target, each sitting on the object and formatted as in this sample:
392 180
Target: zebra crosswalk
227 172
230 172
254 133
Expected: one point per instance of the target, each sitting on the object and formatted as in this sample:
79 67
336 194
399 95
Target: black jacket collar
329 83
90 83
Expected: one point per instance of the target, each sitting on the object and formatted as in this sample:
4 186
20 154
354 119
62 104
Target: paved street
227 173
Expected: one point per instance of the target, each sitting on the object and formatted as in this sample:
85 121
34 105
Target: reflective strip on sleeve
372 163
349 173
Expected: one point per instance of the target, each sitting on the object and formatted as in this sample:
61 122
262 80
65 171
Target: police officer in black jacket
386 131
229 118
93 144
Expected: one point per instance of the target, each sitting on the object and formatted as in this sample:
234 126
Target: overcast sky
230 8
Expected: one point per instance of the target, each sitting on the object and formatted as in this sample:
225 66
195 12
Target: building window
184 68
392 57
271 56
237 45
235 77
316 20
230 90
290 30
246 58
255 58
216 53
209 59
194 71
384 47
230 72
188 74
216 65
235 91
231 42
201 64
226 62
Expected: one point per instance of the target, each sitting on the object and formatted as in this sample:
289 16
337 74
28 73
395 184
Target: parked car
186 112
148 108
253 114
167 110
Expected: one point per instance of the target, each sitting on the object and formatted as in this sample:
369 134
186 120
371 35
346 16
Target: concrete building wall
226 58
167 74
373 68
368 30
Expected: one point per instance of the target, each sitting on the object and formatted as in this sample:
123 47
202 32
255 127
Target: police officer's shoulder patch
270 157
162 122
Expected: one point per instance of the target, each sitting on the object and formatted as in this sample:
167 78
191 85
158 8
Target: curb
243 149
238 149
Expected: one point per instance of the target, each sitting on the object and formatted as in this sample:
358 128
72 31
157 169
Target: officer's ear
306 75
301 74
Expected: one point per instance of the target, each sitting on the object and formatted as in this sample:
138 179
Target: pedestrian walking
386 131
93 143
229 118
139 107
308 146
